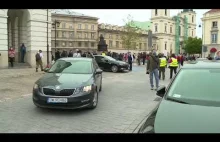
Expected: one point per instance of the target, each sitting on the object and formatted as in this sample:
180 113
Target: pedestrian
11 55
144 57
152 68
139 59
130 60
57 55
70 53
217 57
38 58
163 63
173 65
23 52
77 53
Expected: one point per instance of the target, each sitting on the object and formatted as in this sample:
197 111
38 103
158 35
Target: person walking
11 55
173 65
163 63
130 60
38 58
23 52
152 68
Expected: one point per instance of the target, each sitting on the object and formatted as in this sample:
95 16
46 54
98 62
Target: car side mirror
161 91
98 71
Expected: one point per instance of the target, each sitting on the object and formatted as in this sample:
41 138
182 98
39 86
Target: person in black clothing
130 59
144 58
70 53
57 55
139 59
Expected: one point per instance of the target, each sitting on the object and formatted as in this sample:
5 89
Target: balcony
214 29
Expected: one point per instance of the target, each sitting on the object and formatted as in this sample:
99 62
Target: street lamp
200 26
56 24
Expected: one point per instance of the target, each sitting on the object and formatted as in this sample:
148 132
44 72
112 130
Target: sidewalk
13 73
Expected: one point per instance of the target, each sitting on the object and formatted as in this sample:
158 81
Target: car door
106 63
97 77
100 62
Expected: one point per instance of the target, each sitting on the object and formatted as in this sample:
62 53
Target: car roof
99 55
206 64
76 59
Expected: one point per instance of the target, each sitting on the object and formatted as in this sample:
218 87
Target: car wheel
100 88
114 68
95 100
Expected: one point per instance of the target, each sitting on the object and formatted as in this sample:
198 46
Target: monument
102 46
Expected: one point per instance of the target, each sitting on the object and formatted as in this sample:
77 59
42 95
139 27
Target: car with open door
190 103
108 63
70 83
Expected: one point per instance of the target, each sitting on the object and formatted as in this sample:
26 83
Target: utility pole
47 42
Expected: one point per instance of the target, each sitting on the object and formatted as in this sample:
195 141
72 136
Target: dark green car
69 84
190 103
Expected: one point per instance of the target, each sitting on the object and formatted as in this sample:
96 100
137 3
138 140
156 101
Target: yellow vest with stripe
163 62
103 54
174 62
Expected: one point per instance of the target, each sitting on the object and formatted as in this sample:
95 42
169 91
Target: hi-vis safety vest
174 62
163 62
103 54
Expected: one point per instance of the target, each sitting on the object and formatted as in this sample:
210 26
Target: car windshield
110 58
196 86
72 67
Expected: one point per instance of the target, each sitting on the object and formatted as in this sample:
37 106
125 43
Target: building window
192 33
93 44
70 44
70 26
92 27
166 12
170 46
155 28
171 29
180 30
71 34
92 36
140 45
63 34
63 25
79 26
156 12
165 46
86 44
117 44
79 35
63 43
110 43
79 44
86 27
214 24
117 37
165 28
192 19
86 35
110 36
214 38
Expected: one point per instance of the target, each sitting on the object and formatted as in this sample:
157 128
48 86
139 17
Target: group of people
157 64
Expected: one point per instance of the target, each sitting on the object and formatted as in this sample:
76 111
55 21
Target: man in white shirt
76 54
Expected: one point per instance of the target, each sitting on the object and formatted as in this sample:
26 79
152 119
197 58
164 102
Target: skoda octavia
69 84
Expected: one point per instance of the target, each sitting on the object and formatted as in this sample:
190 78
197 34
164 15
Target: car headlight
87 88
36 86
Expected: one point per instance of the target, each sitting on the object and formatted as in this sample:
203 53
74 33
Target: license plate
57 100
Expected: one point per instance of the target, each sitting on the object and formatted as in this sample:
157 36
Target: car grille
48 91
64 92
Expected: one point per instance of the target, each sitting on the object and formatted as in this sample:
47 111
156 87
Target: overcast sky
116 17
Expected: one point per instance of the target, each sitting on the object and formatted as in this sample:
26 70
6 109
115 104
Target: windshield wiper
178 101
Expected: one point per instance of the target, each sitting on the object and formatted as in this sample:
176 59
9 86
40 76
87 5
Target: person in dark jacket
70 53
152 67
57 55
130 60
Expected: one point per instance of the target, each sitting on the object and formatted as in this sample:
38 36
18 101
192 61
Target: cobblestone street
125 101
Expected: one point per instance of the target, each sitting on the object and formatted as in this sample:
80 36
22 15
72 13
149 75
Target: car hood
173 117
119 62
65 80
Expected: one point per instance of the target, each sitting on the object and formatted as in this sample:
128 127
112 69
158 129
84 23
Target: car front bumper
73 102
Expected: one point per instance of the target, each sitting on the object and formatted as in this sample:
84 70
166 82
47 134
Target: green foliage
131 34
193 45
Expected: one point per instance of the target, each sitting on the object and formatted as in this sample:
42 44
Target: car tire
95 100
114 68
100 88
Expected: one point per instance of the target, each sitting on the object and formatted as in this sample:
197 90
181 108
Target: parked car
190 103
108 63
69 84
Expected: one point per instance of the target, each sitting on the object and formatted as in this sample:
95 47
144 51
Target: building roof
213 10
70 13
143 25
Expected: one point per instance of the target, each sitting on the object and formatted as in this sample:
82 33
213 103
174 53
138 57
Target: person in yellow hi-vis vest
103 54
173 65
163 63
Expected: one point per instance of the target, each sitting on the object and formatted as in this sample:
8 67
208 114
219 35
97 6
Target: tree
193 45
131 34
